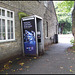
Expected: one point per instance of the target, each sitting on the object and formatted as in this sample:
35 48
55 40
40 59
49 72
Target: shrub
73 43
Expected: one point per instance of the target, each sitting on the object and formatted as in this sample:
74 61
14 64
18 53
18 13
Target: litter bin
56 38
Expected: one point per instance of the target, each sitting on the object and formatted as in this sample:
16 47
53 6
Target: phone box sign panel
29 37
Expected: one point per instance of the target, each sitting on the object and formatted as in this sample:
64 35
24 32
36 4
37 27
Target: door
29 36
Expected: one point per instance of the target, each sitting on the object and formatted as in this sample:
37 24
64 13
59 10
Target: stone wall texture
12 48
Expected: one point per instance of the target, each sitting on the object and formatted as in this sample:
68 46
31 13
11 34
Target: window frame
6 18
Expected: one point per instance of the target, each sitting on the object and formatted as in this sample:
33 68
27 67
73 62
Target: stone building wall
12 48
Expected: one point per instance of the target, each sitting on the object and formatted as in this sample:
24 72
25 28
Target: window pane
0 25
11 14
11 29
3 28
8 14
0 22
8 29
0 28
3 22
8 24
0 11
11 35
11 26
11 23
8 35
0 37
3 12
3 36
3 25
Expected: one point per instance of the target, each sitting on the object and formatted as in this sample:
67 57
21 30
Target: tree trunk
73 21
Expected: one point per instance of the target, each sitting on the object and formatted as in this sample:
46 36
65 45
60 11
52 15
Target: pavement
55 60
65 38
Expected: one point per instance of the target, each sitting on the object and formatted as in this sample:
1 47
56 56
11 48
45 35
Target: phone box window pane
3 12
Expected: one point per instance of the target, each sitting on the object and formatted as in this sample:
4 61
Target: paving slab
56 60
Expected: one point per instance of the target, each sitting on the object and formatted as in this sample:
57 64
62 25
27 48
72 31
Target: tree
64 6
64 15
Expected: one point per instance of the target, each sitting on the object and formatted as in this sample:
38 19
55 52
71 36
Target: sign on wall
29 37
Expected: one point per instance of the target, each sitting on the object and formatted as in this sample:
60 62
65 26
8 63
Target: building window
46 29
7 29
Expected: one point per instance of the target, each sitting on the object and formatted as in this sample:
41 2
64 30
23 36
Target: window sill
7 41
